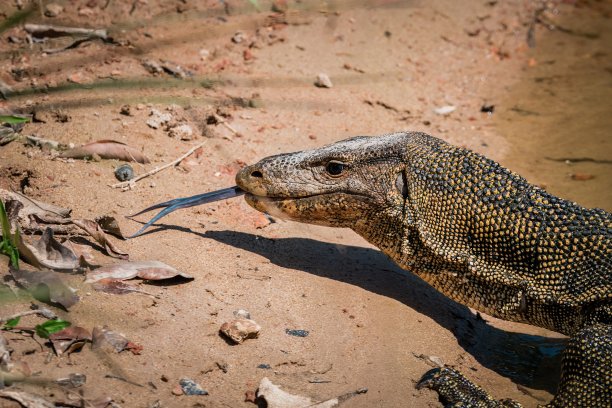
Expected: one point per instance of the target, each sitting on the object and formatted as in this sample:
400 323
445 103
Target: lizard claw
455 390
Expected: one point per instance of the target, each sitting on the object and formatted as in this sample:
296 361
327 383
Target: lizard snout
252 179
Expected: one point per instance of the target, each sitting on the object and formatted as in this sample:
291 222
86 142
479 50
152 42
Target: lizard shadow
528 360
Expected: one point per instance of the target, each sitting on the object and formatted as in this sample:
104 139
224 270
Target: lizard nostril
257 174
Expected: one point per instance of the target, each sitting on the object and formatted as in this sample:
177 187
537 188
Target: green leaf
12 119
12 322
7 246
49 327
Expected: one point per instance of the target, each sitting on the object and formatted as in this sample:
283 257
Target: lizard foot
457 391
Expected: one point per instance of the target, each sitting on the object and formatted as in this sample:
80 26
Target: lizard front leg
586 377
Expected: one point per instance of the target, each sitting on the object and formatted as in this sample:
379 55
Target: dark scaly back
543 260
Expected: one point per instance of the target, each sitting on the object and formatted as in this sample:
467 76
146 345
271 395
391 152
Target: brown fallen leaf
104 337
149 270
96 232
110 225
46 286
81 251
32 212
69 340
116 287
47 253
106 149
26 399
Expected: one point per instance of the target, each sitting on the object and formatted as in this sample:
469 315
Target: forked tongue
185 202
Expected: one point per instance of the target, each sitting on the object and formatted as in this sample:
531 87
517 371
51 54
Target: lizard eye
334 168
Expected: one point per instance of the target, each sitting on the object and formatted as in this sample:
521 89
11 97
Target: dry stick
42 311
130 183
227 125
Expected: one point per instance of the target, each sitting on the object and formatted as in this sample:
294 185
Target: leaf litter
148 270
97 232
69 340
47 252
46 286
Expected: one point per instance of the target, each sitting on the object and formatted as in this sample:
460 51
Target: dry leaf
110 225
102 337
81 251
69 340
96 232
106 149
26 399
150 270
47 253
116 287
46 286
33 210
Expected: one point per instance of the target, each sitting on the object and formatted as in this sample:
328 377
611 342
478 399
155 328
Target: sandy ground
391 63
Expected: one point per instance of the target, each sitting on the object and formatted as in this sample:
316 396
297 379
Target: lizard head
344 184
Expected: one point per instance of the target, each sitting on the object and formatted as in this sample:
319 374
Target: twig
43 312
579 159
130 183
227 125
50 31
117 377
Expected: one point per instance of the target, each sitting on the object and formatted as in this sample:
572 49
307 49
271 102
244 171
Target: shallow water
562 108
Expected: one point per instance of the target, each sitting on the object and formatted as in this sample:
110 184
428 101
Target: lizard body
475 231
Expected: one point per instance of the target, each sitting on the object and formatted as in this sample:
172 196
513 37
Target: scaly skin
475 231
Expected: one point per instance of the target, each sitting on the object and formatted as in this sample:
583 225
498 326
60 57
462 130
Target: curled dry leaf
46 286
96 232
69 340
149 270
104 337
110 225
106 149
26 399
47 253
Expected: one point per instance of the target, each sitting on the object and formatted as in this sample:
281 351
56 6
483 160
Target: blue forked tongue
185 202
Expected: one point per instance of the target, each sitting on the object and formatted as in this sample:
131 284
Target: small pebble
240 329
264 366
445 110
297 333
124 172
53 10
190 387
323 81
242 314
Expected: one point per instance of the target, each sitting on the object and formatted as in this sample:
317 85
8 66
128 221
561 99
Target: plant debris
106 149
148 270
46 286
104 337
117 287
47 252
26 399
95 230
275 397
69 340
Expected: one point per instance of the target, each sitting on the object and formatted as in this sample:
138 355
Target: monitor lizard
477 232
